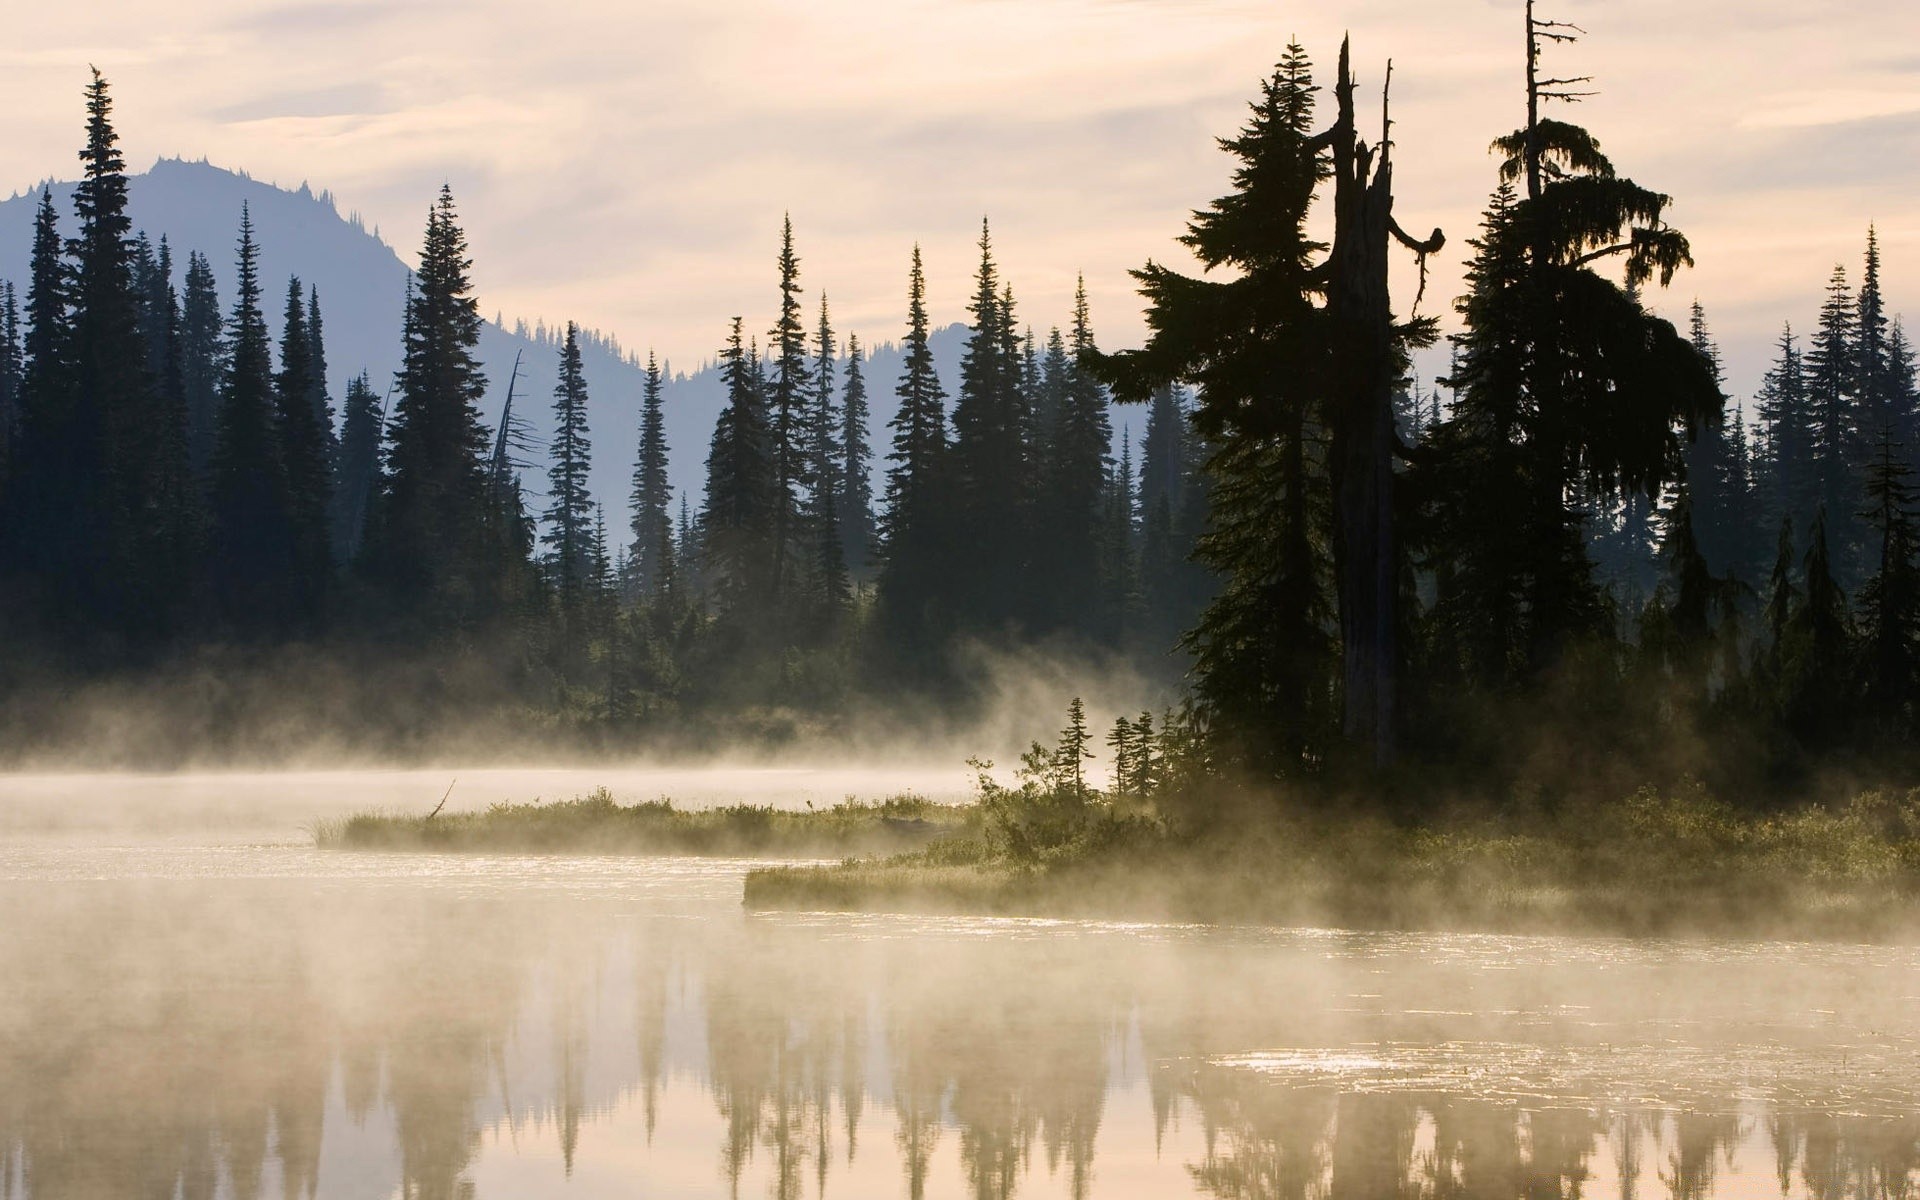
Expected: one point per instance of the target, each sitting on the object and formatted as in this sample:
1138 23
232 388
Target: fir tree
356 467
47 510
319 398
1085 566
791 390
652 524
1789 480
989 468
252 548
1832 417
857 530
1890 601
914 566
570 511
305 463
1817 636
202 361
10 380
738 519
831 583
434 540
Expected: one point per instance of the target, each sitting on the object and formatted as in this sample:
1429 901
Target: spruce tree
857 530
1718 518
1832 410
433 541
10 380
570 508
356 467
44 507
791 391
1818 675
652 524
829 573
320 399
253 561
737 521
1788 475
914 564
305 458
1085 567
202 361
1890 601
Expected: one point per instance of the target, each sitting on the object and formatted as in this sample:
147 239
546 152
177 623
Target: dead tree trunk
1361 423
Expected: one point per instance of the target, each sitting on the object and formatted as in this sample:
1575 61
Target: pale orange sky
627 164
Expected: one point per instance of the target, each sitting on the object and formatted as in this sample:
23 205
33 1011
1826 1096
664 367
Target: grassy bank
1650 864
597 824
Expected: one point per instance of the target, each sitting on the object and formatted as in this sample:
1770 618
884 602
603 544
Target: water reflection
437 1036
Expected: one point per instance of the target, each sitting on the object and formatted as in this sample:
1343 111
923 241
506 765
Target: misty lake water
194 1003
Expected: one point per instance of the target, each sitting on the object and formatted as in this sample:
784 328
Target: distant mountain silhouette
362 283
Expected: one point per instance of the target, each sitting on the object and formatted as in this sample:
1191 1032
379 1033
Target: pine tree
252 549
1903 391
990 469
356 467
432 541
791 389
857 530
305 463
1116 575
1890 601
48 509
319 397
914 566
1086 571
652 524
570 511
1817 635
1718 518
1832 418
10 381
1789 481
1074 752
738 518
202 361
140 507
830 579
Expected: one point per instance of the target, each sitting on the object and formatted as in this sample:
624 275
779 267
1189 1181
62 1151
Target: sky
626 163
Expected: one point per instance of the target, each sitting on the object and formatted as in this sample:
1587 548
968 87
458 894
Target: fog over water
195 1004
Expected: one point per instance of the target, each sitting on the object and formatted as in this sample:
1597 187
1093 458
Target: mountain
362 285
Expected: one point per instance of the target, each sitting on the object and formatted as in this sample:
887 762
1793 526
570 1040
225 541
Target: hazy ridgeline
398 1024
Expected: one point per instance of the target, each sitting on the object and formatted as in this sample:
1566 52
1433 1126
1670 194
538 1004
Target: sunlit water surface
184 1013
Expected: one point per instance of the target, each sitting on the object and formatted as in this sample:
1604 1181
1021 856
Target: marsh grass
1675 863
598 824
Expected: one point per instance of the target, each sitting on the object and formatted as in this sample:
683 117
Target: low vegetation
597 823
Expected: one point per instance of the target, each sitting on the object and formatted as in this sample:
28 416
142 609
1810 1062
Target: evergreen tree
1890 601
857 530
914 567
1817 674
319 397
791 390
356 467
202 361
305 464
50 524
1116 574
433 539
990 469
738 519
140 507
570 511
1086 566
1719 520
252 550
1789 479
1903 391
10 380
652 524
1873 384
1832 418
830 579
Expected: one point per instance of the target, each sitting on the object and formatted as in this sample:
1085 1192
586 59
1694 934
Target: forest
1571 562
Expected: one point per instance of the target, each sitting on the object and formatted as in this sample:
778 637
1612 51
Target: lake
194 1003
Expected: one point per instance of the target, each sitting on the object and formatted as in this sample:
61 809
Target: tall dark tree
252 539
305 461
825 452
10 380
48 512
790 394
318 397
1817 676
857 528
431 540
737 521
141 501
914 565
202 361
570 508
1788 475
356 466
1833 420
1890 601
1083 562
652 523
989 469
1718 511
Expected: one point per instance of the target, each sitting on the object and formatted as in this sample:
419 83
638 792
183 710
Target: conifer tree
570 511
1789 475
202 361
914 568
1717 516
252 548
989 468
1086 568
1817 673
791 392
857 530
356 467
825 451
1890 601
10 380
305 464
46 510
652 524
737 521
433 539
319 397
1833 418
140 507
1116 563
